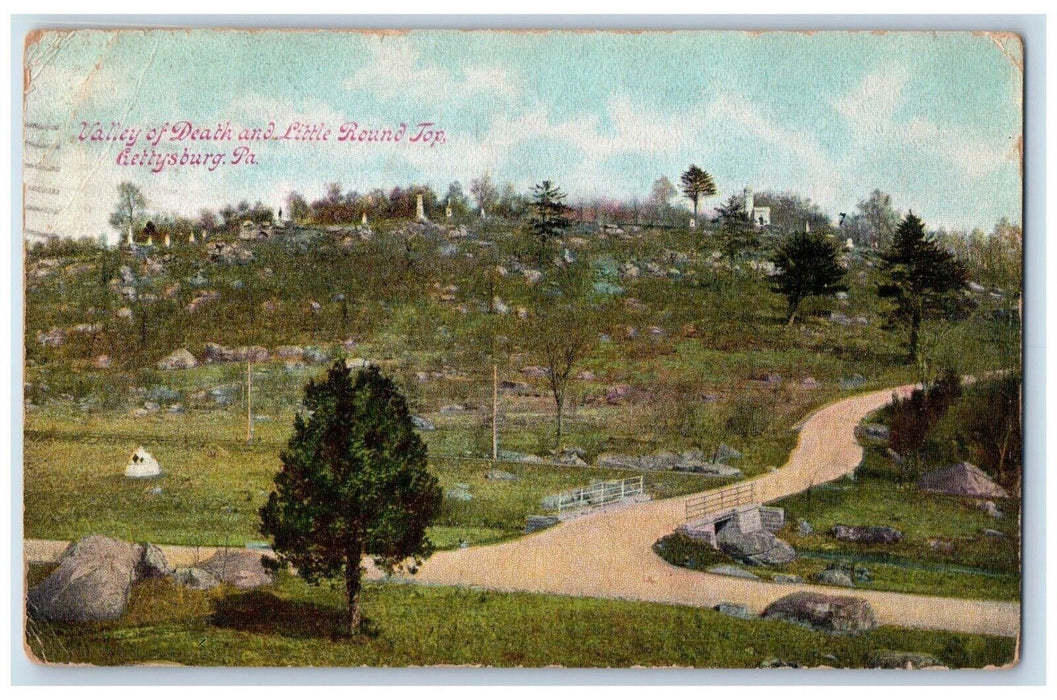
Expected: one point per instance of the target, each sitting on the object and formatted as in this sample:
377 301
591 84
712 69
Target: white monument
363 219
142 465
420 211
191 237
447 211
760 216
168 242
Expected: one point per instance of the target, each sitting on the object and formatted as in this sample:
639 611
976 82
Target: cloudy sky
933 119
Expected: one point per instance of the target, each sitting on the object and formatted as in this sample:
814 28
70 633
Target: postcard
497 348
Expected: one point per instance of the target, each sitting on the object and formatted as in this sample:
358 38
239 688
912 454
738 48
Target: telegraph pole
249 402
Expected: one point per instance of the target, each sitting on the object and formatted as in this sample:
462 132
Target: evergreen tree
353 483
697 183
736 233
806 265
549 211
921 279
130 206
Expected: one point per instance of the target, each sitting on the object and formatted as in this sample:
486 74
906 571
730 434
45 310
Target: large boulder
240 568
759 548
867 534
179 359
826 613
92 582
962 479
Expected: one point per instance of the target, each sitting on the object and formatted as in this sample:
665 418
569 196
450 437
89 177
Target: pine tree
697 183
549 211
921 279
354 482
736 232
806 265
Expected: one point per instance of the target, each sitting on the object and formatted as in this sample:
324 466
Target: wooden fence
732 497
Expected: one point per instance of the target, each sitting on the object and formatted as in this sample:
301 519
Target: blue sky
933 119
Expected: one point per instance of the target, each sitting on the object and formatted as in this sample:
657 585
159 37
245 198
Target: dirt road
608 554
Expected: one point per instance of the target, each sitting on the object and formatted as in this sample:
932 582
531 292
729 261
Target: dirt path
609 554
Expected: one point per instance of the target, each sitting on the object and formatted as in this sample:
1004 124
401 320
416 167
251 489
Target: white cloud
869 108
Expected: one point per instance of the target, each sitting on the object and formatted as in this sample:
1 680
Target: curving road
608 554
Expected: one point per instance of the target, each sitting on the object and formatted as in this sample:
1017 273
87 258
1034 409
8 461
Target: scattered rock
804 527
239 567
825 613
198 579
987 532
760 548
867 534
886 658
535 523
991 509
152 563
102 362
91 583
452 408
618 393
853 382
725 453
734 610
54 338
179 359
835 577
421 423
875 431
731 570
499 475
459 492
532 276
535 371
572 456
786 578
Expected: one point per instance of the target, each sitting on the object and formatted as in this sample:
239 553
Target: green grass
293 624
213 483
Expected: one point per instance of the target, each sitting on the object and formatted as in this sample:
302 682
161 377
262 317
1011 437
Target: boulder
499 475
421 423
804 527
535 523
617 394
962 479
91 583
875 431
459 492
835 577
54 338
102 362
759 548
198 579
734 610
866 534
141 465
730 570
152 563
991 509
886 658
825 613
786 578
240 568
725 453
179 359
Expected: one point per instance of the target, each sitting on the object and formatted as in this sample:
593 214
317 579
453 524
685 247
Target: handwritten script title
186 144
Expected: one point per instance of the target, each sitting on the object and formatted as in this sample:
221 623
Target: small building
760 216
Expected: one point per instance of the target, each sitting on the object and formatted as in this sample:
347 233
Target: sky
934 119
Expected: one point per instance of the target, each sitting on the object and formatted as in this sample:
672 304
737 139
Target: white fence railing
598 494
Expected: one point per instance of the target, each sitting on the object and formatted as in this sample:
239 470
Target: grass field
292 624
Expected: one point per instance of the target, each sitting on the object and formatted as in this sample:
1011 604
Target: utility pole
249 402
495 411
